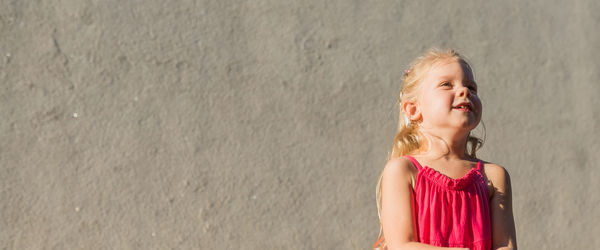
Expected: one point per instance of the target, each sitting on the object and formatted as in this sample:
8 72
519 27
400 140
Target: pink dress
452 212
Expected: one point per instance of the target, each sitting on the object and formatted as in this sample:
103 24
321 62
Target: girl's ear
412 111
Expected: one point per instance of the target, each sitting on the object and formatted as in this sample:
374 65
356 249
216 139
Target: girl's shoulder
400 169
399 164
493 169
497 175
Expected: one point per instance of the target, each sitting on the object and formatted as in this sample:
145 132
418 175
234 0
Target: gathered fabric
452 212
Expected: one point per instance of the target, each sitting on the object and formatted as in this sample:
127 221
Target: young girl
434 193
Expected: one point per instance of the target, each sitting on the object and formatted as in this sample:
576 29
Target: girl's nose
464 91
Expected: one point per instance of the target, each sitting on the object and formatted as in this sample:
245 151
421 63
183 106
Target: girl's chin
459 125
458 129
467 127
470 123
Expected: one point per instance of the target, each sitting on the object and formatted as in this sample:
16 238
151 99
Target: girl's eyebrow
446 77
467 80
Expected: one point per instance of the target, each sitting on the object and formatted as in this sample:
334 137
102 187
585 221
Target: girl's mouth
464 106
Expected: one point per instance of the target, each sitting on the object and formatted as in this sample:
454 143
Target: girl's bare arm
396 207
503 223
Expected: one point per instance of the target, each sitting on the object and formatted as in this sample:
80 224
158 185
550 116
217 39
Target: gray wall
152 124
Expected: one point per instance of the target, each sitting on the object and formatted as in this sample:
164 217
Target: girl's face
448 97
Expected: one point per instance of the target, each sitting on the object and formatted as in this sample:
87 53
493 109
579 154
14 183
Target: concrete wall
148 124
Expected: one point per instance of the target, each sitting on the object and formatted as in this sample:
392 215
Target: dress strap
415 162
479 166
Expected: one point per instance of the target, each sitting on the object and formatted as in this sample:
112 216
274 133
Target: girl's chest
418 181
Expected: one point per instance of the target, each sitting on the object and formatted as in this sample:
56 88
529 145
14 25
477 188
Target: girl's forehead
449 68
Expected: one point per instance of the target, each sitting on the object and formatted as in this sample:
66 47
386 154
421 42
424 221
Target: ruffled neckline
448 182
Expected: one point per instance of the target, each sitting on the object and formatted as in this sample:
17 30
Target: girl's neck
449 145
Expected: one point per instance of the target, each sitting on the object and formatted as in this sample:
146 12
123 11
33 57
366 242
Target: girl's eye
446 84
472 88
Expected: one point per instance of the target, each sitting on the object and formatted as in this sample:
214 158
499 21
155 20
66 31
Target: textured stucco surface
264 124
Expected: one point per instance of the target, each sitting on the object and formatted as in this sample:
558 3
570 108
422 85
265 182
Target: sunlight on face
448 97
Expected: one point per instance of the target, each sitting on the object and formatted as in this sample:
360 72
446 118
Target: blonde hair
407 138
